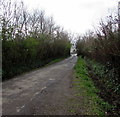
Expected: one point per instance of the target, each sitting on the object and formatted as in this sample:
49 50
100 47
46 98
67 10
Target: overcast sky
76 16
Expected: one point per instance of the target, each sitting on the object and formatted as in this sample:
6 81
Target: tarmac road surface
44 91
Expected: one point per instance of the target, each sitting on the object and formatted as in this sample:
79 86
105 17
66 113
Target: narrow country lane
44 91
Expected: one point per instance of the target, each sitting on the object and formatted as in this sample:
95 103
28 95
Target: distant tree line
29 40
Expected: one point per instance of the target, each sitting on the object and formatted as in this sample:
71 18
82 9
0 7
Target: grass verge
86 91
